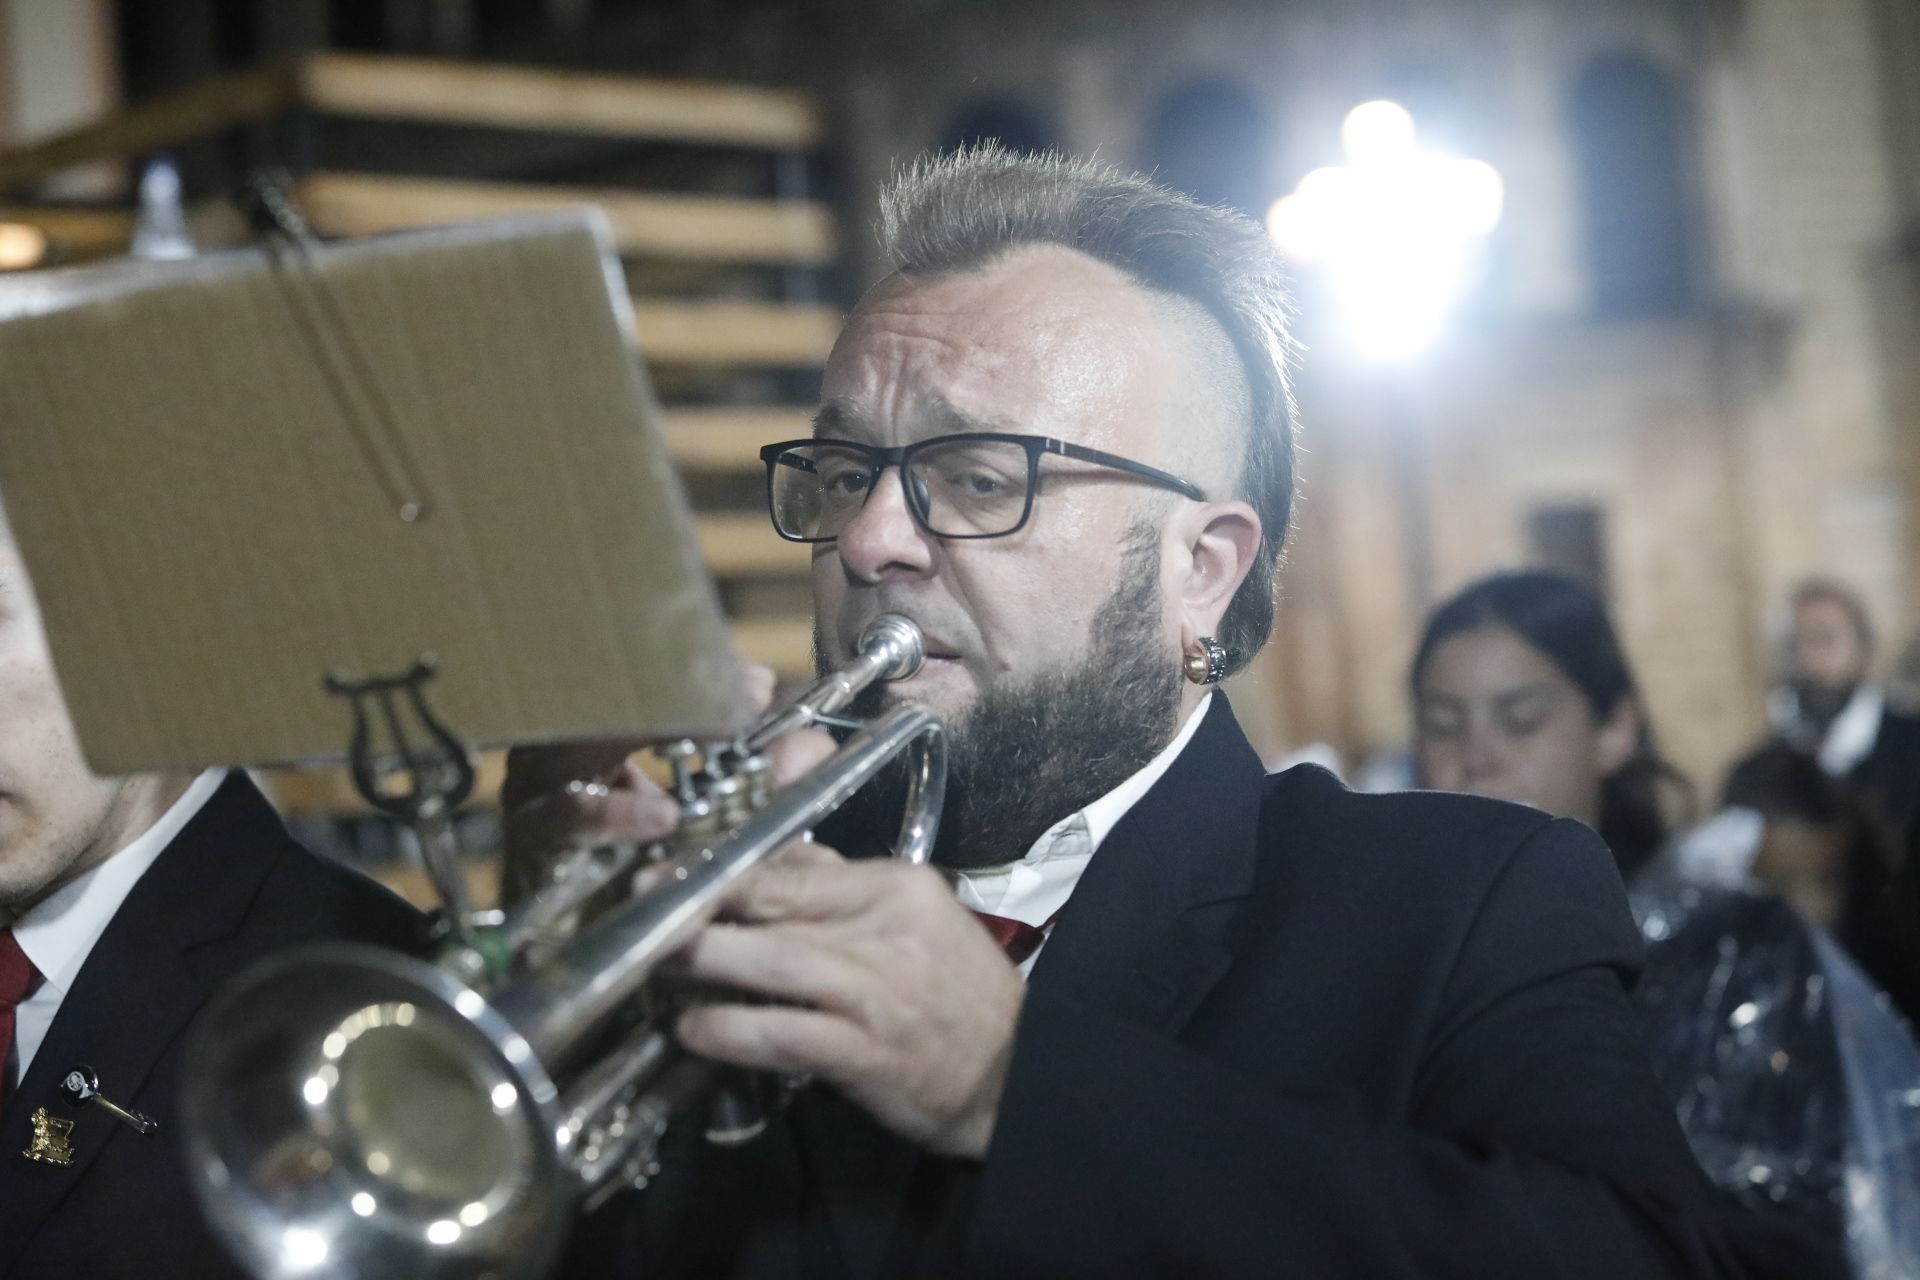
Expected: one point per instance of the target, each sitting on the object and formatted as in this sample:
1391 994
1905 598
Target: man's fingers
795 754
620 806
805 853
809 887
776 1038
757 682
780 961
534 771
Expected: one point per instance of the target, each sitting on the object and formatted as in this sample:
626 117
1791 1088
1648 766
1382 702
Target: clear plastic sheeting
1881 1063
1796 1084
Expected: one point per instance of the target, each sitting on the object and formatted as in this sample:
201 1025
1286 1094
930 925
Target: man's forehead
1038 336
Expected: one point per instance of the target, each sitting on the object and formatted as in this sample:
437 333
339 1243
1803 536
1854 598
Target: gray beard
1026 755
1821 705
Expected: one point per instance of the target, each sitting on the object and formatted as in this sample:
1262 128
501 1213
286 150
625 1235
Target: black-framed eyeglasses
975 484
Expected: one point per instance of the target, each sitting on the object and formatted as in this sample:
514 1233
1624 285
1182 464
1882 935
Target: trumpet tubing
353 1111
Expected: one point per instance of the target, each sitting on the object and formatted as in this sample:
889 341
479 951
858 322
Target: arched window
998 119
1210 139
1625 116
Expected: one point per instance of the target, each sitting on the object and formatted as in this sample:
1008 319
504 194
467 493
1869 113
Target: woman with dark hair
1521 692
1786 1073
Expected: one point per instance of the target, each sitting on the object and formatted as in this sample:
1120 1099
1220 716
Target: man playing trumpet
1218 1023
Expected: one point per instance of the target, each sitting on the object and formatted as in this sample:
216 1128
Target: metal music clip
419 778
82 1085
52 1140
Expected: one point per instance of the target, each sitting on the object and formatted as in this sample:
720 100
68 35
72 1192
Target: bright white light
504 1096
1377 132
1469 195
315 1091
363 1204
445 1231
473 1215
1397 229
303 1248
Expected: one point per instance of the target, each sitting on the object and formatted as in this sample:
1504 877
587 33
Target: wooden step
558 101
686 227
743 545
729 438
203 110
735 333
426 90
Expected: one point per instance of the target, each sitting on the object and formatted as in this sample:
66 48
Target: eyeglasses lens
969 488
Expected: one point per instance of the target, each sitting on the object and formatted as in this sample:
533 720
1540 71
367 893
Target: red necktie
17 977
1016 937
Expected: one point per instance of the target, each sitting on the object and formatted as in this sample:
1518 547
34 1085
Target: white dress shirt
1846 742
1034 889
60 931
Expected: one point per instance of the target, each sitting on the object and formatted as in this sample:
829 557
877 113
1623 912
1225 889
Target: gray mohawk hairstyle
960 210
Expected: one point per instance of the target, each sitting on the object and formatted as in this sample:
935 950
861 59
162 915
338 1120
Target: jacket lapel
1143 937
135 994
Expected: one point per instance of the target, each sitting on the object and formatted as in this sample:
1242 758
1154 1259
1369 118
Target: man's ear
1619 736
1220 541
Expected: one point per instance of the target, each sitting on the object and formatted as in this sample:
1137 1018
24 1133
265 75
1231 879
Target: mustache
827 655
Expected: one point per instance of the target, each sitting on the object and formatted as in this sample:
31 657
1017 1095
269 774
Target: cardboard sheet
205 465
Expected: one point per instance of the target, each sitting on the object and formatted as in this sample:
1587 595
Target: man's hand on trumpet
584 794
898 997
892 991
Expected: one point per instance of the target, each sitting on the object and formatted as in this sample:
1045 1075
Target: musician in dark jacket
1215 1023
124 903
1828 706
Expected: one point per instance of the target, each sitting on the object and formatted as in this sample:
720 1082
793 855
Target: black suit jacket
1280 1029
231 887
1888 779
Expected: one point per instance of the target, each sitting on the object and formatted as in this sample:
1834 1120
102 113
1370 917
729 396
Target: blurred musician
1828 705
1217 1023
124 903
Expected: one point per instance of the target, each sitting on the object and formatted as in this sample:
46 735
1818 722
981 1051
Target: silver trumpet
352 1111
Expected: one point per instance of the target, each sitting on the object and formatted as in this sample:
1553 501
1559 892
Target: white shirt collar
1851 737
60 931
1847 741
1034 889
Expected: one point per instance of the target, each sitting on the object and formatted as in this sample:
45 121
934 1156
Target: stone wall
1767 433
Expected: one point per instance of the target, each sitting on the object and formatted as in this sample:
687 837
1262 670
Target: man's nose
883 537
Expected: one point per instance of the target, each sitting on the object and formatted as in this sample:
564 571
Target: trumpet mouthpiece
896 640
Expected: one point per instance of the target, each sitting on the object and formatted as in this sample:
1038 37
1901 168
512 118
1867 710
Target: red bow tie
1016 937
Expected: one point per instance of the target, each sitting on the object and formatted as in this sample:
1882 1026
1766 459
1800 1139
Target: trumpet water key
351 1111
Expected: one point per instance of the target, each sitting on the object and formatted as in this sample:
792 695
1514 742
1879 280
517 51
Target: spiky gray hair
960 210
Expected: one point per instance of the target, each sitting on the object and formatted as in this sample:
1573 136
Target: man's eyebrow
937 416
837 418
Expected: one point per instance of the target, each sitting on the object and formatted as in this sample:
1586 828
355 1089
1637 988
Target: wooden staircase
726 281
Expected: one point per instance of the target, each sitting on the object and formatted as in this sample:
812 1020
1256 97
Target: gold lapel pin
52 1139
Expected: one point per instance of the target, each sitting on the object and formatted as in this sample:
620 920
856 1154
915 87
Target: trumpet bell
365 1113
